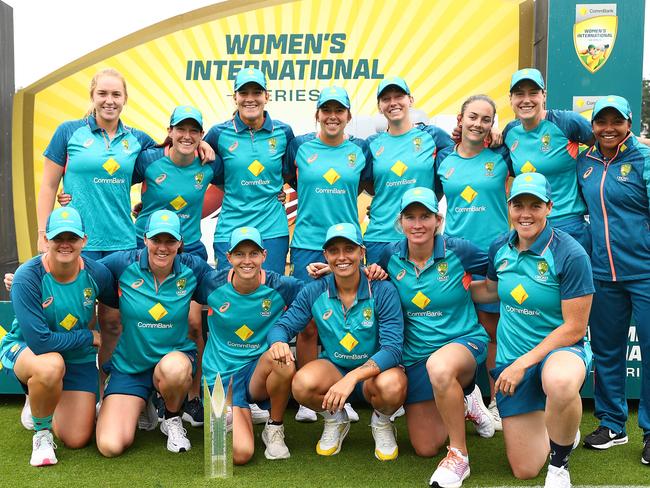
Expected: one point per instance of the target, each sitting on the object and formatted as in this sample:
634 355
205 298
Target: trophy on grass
216 435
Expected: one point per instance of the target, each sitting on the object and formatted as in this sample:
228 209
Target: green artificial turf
148 463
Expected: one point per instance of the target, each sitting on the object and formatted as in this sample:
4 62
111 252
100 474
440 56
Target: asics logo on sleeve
48 301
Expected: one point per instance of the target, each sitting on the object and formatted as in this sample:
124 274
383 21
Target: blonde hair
93 84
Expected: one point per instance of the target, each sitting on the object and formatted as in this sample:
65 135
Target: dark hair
166 143
475 98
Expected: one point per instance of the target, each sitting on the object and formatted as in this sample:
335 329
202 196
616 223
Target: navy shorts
300 258
419 387
374 250
97 255
136 384
529 395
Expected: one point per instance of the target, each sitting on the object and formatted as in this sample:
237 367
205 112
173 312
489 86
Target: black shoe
193 412
645 455
604 438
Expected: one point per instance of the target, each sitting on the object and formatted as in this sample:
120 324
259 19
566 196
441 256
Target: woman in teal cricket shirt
443 341
547 142
403 157
50 348
474 179
614 177
252 147
155 287
542 277
361 328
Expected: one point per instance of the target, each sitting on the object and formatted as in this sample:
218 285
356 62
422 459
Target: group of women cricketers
405 314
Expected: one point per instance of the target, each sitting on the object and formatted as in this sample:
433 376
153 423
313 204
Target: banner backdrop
445 50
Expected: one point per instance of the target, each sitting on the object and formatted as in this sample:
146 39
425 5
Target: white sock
340 416
379 418
460 454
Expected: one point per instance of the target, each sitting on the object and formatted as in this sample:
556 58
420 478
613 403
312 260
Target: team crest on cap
489 168
546 143
266 307
65 214
400 275
352 159
180 286
417 144
586 174
312 158
137 283
198 180
160 178
327 314
339 227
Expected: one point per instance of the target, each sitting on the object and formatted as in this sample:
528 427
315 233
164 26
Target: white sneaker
451 472
557 478
26 415
258 415
384 434
334 431
148 419
43 449
273 438
353 416
305 414
477 412
177 440
496 416
398 413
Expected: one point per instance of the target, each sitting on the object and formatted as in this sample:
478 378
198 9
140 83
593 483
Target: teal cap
64 219
184 112
163 222
531 184
393 81
613 101
344 230
335 93
531 74
242 234
421 195
250 75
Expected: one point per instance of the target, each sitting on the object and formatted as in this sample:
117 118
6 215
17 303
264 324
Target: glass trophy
217 435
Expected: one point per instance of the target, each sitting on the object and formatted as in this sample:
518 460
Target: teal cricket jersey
372 328
475 188
328 180
252 176
532 285
153 314
98 173
400 163
436 301
53 316
239 324
180 189
551 148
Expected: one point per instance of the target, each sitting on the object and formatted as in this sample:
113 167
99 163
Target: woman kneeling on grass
51 347
543 278
361 328
245 302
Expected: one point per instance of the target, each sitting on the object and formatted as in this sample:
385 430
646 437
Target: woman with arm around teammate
403 157
542 277
252 147
50 348
547 142
614 177
443 341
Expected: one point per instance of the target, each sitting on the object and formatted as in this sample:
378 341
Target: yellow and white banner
594 33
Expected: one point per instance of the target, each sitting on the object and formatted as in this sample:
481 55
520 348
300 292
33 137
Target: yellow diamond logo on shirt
421 300
399 168
111 166
528 168
178 203
468 194
157 311
519 294
244 333
349 342
331 176
256 168
69 322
